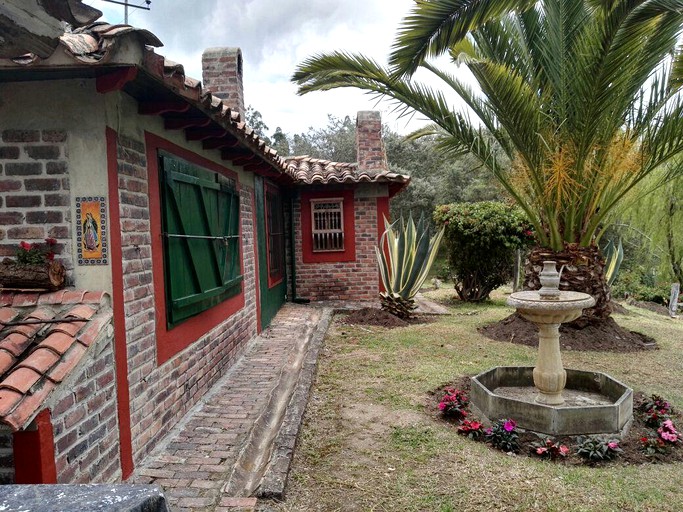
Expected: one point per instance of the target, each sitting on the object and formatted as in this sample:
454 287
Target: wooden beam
204 133
115 80
180 123
235 153
243 160
224 142
155 108
258 167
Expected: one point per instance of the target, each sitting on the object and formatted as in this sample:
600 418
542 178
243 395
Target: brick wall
34 191
6 456
162 395
85 424
349 280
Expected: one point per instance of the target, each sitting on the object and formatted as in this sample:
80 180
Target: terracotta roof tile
6 361
51 297
73 297
8 400
309 171
7 315
92 331
41 314
95 297
21 380
6 298
36 355
67 363
25 300
58 341
81 311
16 343
40 360
29 406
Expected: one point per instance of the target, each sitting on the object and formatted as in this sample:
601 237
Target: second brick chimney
222 75
369 144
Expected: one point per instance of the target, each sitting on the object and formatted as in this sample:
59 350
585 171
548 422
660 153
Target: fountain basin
595 403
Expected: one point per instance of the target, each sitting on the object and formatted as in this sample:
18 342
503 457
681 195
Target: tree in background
583 98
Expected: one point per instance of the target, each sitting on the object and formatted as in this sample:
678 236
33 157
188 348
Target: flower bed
653 437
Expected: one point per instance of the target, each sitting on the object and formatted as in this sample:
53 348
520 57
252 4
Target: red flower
25 246
50 241
50 256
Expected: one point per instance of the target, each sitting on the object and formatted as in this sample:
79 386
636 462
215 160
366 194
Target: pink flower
442 406
564 451
510 425
672 438
613 445
541 450
25 246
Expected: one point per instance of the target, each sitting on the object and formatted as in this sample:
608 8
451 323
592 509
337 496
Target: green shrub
481 239
640 285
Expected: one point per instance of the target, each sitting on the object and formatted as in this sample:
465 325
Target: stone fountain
549 398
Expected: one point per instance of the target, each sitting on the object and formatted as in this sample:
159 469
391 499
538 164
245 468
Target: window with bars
327 216
276 235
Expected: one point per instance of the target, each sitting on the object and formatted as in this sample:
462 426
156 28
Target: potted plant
34 267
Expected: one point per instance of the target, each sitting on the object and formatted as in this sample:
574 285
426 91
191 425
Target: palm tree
577 102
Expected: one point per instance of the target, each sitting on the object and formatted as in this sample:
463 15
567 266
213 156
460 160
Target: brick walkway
196 460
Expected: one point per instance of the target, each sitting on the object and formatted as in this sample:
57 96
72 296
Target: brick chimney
369 143
222 75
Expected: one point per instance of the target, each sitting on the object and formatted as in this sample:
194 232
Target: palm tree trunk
584 271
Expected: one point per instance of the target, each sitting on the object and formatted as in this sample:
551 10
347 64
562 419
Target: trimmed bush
481 239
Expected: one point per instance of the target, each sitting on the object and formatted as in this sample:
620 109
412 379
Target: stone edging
274 480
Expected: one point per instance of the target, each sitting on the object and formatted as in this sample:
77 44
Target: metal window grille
276 234
328 224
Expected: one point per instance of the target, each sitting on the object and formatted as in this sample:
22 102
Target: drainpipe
292 262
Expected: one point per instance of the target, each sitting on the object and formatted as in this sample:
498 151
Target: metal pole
125 13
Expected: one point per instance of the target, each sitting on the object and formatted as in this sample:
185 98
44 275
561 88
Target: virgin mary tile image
91 230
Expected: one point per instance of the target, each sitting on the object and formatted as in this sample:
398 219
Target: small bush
596 448
454 404
481 239
503 435
472 430
549 449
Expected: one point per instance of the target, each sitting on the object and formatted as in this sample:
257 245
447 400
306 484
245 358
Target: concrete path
238 442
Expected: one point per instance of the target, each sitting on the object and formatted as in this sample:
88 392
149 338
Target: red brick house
182 234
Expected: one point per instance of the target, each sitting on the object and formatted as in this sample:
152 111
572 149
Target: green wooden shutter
201 238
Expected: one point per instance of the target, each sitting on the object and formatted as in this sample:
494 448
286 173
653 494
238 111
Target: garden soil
378 317
607 335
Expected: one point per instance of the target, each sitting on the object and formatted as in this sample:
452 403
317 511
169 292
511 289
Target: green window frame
201 238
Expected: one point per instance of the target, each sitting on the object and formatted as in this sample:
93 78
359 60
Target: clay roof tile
8 400
16 343
51 297
20 380
59 342
6 361
7 314
67 363
40 360
22 300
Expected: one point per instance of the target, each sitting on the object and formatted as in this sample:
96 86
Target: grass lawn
368 442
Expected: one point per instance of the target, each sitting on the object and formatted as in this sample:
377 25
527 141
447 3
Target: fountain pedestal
549 375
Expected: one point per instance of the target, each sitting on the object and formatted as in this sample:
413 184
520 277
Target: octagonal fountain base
595 403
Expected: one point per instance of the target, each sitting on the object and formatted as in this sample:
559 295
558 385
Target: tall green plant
583 98
405 254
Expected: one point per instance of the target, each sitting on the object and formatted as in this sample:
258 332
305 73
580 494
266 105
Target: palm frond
432 27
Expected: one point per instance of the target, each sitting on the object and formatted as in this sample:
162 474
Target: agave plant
405 254
614 255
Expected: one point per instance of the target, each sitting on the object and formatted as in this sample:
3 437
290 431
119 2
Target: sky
275 36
